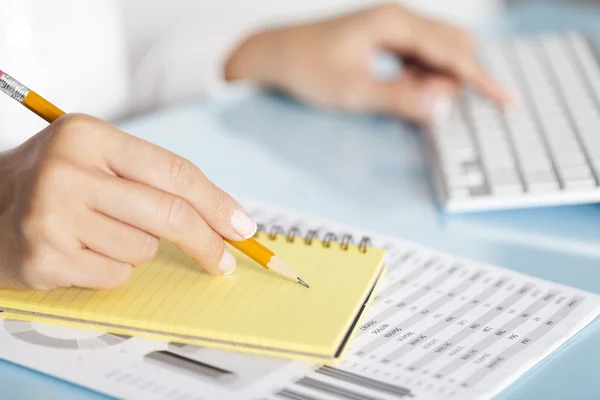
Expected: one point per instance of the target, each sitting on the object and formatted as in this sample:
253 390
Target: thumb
418 99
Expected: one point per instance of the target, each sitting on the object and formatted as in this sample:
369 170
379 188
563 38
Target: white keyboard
545 151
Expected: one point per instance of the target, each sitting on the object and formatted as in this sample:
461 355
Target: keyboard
544 151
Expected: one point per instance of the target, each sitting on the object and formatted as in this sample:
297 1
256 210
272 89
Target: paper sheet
440 328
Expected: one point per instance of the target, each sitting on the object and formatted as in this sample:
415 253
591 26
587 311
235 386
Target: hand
329 63
81 203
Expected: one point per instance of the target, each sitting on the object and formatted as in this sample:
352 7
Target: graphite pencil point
300 281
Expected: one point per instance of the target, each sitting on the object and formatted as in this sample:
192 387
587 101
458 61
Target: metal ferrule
13 87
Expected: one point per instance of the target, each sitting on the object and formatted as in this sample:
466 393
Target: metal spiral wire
344 240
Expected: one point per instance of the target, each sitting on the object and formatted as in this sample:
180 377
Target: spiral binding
344 240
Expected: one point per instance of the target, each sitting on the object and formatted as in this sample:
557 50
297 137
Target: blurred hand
81 203
329 63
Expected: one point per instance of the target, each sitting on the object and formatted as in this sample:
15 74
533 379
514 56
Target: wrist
5 182
260 58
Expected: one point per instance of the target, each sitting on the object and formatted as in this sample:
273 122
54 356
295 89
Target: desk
369 171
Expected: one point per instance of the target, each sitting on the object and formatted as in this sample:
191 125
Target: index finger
419 38
140 161
465 67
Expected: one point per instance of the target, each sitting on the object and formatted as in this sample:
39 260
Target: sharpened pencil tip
300 281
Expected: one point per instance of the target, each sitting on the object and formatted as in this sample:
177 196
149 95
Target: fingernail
242 224
436 107
227 263
506 94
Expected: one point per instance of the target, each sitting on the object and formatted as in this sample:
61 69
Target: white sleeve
188 62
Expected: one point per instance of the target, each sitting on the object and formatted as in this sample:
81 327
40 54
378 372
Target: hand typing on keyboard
328 63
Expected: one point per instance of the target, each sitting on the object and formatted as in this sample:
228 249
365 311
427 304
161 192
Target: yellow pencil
46 110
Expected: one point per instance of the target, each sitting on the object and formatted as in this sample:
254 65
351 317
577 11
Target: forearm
8 236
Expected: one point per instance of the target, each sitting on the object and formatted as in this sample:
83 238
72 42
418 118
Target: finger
165 216
423 41
95 271
170 173
117 240
420 99
465 67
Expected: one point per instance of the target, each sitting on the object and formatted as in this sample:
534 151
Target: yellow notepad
252 310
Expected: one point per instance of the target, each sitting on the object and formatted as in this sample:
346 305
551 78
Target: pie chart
59 337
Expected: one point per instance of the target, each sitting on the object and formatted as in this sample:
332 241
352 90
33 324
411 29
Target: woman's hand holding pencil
82 202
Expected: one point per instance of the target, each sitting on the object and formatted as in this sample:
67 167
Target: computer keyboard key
549 103
492 153
581 103
457 181
500 162
478 191
522 126
505 181
595 162
593 147
458 193
489 136
495 151
475 179
463 173
536 163
543 187
464 181
517 113
588 126
539 175
507 190
574 157
556 128
558 123
466 153
579 184
576 172
561 143
588 62
530 150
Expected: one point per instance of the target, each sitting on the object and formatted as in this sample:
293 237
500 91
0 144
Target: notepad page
255 307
